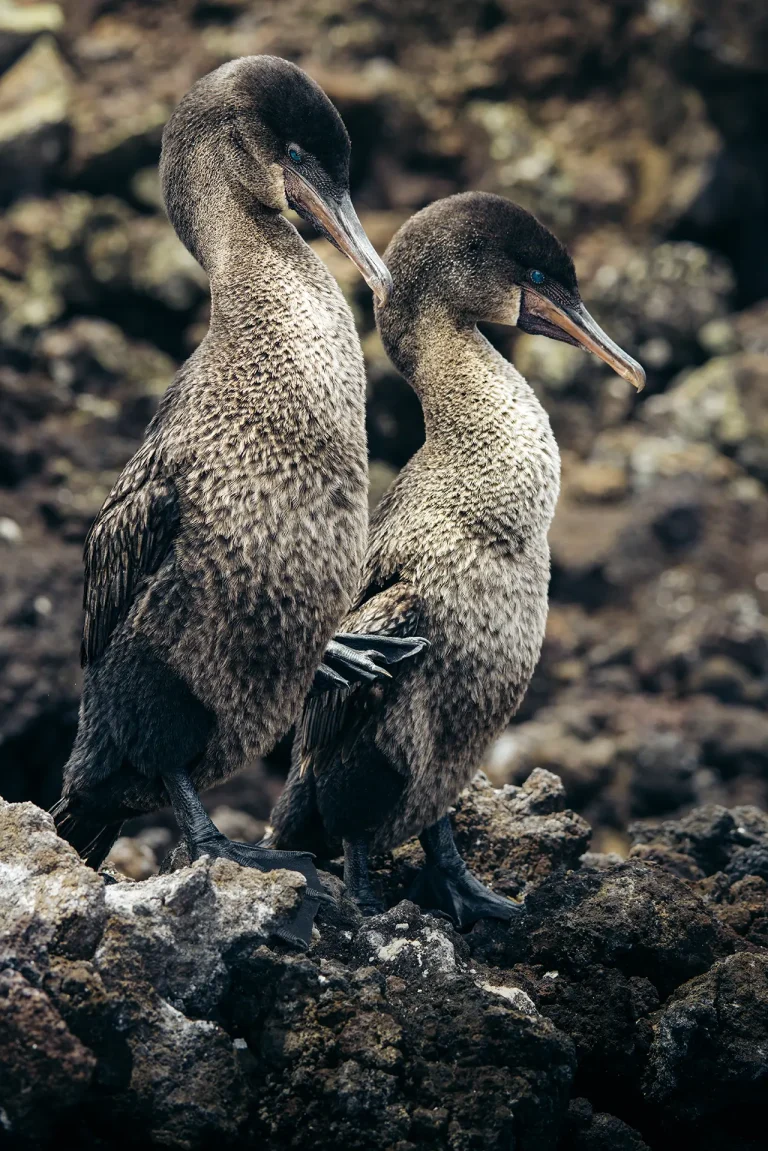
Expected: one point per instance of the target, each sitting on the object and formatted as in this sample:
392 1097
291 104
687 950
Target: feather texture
127 542
331 722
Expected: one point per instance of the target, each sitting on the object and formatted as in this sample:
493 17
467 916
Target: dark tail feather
91 838
296 822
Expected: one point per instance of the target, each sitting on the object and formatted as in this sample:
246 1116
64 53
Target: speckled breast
488 635
274 520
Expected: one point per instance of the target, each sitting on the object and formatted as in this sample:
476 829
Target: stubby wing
332 721
127 542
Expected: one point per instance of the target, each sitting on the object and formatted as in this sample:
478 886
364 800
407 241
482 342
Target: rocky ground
634 131
625 1008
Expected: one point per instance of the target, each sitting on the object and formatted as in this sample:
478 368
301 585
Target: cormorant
230 546
457 552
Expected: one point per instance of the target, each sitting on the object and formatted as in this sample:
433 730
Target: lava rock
34 121
520 835
50 903
720 403
402 1043
162 995
713 837
606 1013
44 1069
116 987
632 916
174 930
713 1032
588 1130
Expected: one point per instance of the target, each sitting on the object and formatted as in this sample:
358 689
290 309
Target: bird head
266 128
484 258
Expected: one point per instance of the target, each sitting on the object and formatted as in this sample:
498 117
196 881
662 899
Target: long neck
281 347
251 253
489 445
468 390
240 241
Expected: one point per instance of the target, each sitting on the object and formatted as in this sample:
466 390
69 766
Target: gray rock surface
713 1030
160 1006
117 986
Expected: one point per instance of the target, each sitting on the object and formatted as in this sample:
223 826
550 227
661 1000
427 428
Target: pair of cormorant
232 544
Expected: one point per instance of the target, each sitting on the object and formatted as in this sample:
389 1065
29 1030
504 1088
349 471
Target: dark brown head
479 257
265 129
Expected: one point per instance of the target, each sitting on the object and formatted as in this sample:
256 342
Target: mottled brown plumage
231 544
457 548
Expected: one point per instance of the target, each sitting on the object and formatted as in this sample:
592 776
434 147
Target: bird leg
446 884
357 879
350 658
203 838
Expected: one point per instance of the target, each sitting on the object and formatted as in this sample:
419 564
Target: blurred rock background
634 128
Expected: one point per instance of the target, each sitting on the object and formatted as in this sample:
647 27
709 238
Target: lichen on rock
642 981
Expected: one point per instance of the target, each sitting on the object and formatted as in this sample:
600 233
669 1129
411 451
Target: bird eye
294 155
536 277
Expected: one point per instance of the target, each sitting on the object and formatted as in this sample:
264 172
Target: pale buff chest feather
466 523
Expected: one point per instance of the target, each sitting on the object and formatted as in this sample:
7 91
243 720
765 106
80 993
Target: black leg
357 879
446 884
195 824
203 838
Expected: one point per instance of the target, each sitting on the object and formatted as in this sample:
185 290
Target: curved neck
222 227
468 391
281 342
214 215
489 449
251 253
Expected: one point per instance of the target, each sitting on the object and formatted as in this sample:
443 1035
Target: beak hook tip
638 378
383 291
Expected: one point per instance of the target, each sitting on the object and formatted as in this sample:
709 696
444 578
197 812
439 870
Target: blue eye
294 155
536 277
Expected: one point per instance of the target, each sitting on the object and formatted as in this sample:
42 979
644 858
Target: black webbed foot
387 649
264 859
299 931
459 895
351 658
203 838
446 884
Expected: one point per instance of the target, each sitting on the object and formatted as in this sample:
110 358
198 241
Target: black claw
363 658
360 673
283 934
389 649
299 931
321 896
353 661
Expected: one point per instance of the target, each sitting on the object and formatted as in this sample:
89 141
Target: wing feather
332 722
127 542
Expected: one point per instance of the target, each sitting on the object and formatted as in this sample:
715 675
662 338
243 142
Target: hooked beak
337 220
574 325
